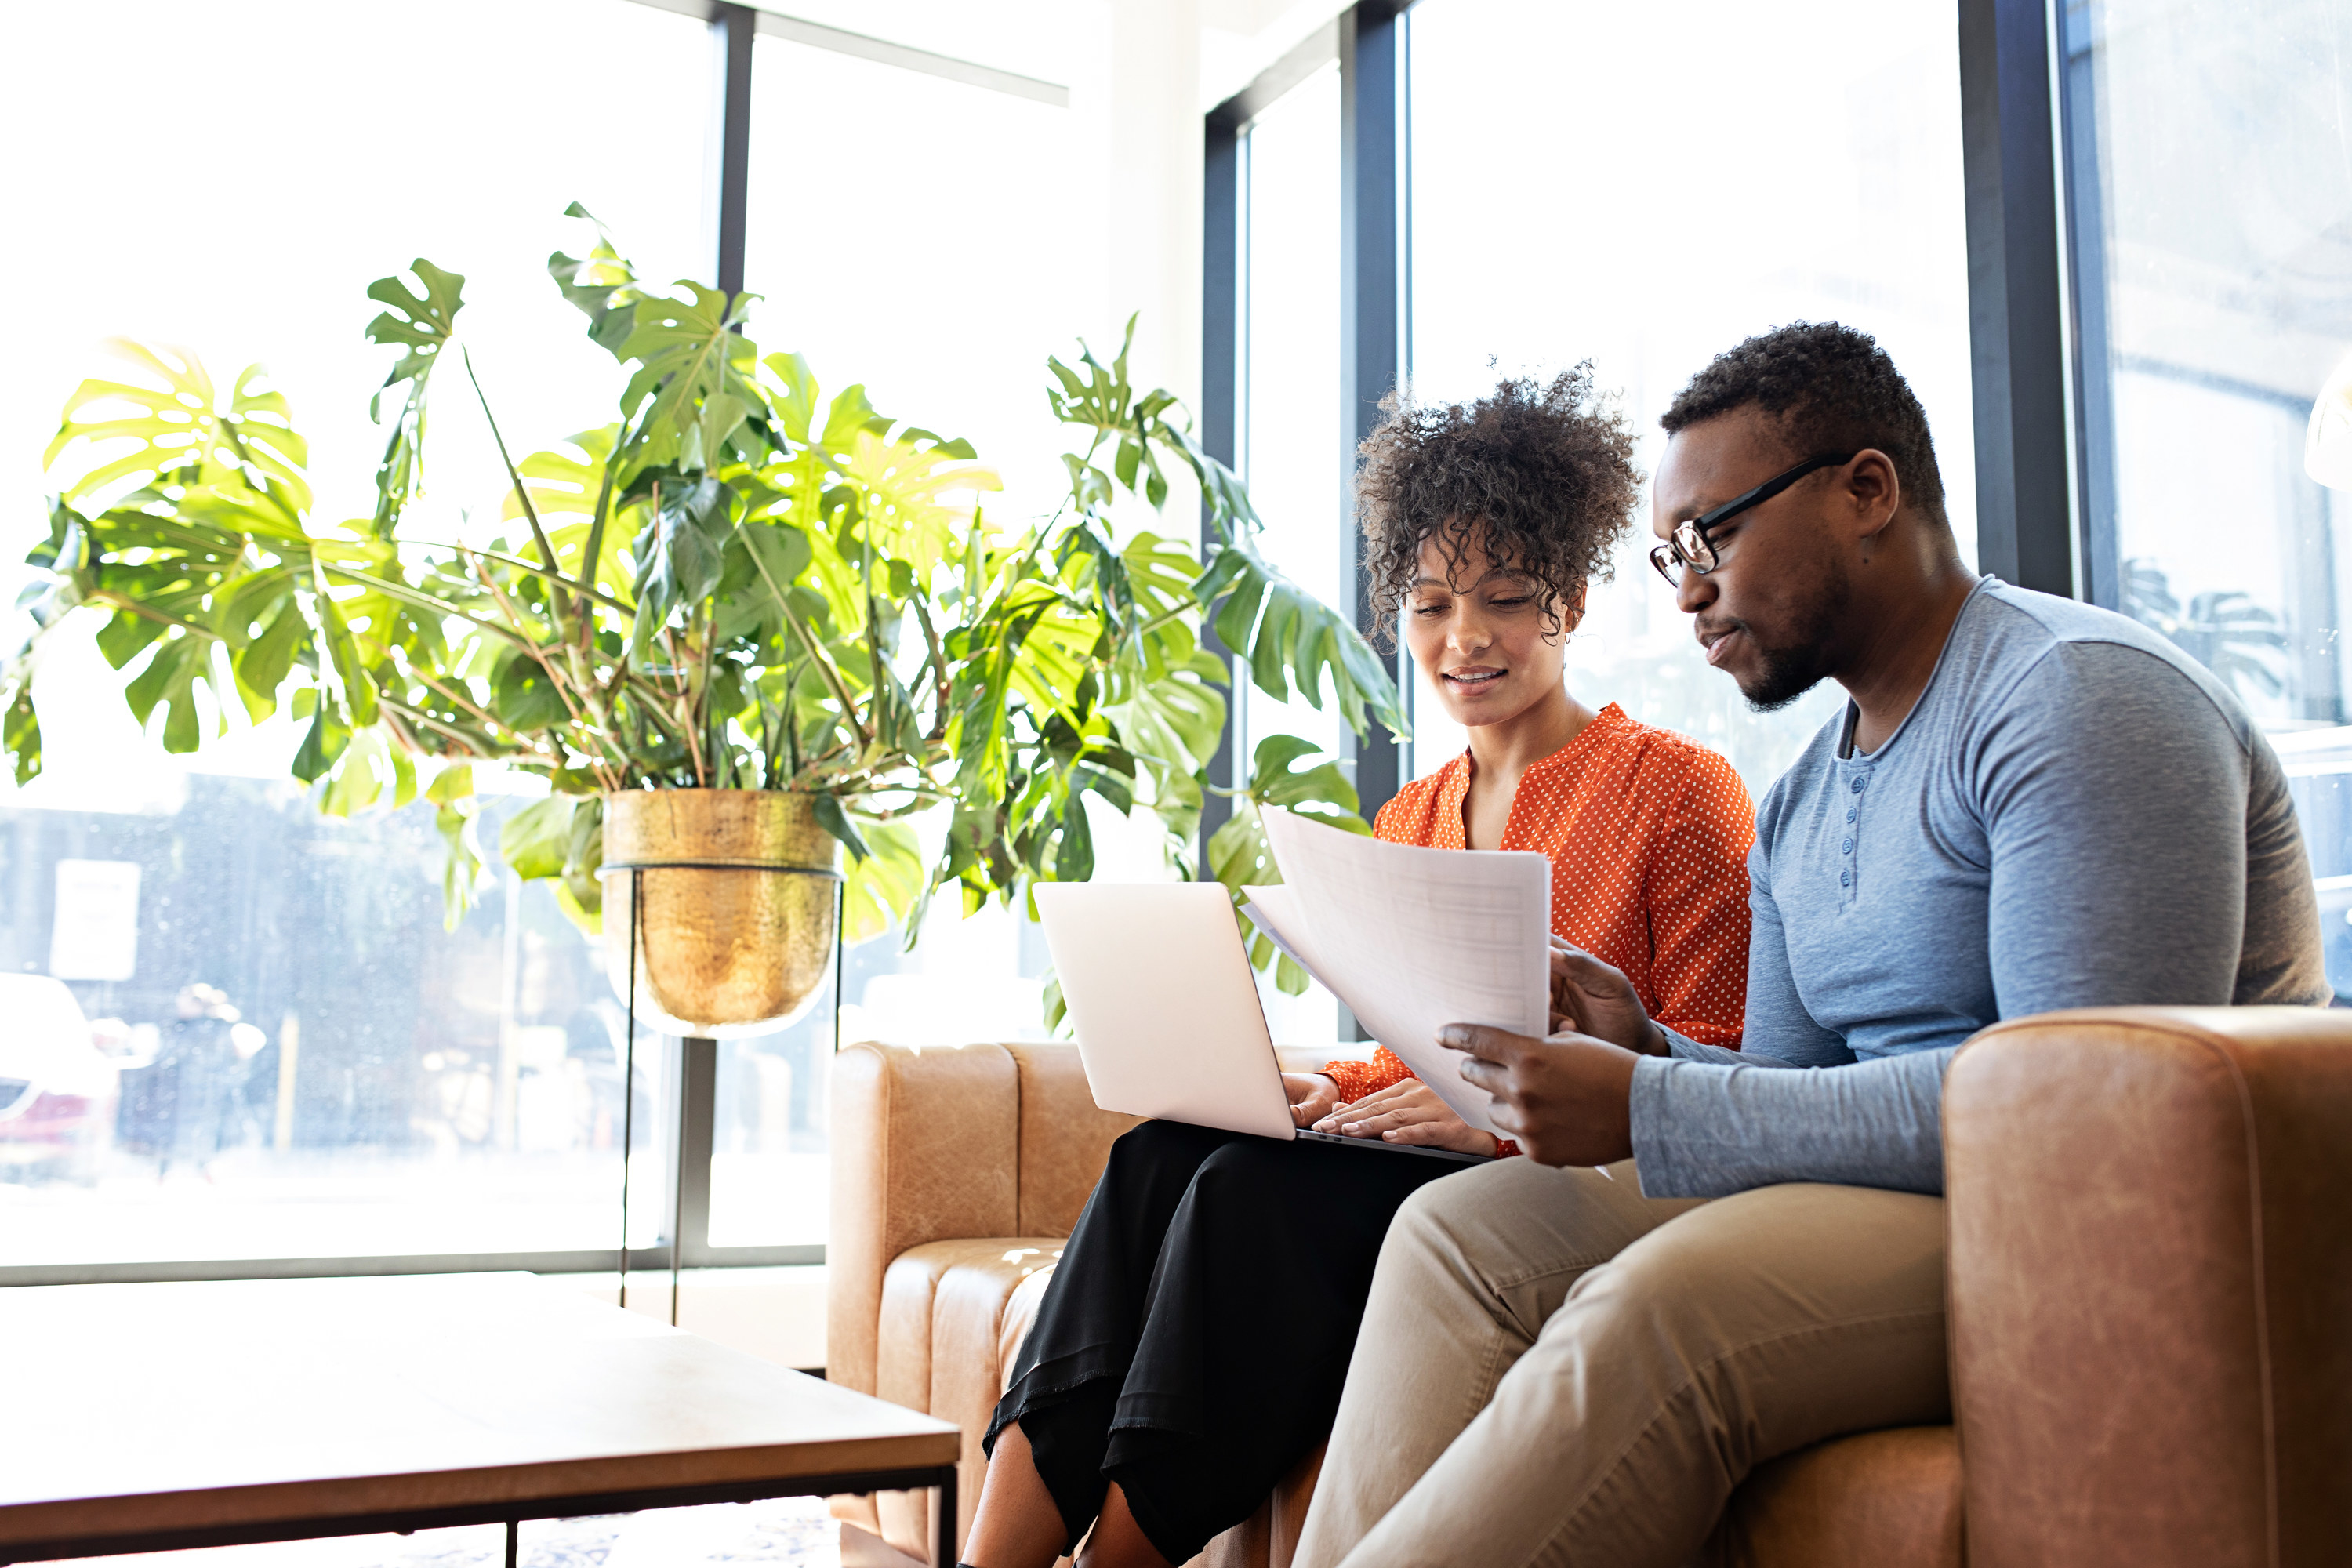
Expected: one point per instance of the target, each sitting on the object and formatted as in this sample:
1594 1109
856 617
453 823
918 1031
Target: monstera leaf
176 428
1286 634
902 484
693 389
421 324
1239 853
603 286
883 885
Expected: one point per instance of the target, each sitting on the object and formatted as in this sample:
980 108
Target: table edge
520 1485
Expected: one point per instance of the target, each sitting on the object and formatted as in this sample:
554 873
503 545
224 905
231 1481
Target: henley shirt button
1849 846
1852 812
1845 879
1857 786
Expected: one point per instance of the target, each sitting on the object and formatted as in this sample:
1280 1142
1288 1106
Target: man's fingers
1483 1042
1492 1077
1582 970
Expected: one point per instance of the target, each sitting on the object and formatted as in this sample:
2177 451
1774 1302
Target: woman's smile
1472 680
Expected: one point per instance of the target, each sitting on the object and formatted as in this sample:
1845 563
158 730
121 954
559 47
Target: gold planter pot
734 904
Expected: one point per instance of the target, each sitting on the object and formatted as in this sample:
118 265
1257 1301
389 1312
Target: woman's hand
1408 1112
1589 997
1313 1096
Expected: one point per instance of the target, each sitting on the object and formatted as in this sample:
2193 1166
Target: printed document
1413 939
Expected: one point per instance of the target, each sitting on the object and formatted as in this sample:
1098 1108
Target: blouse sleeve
1696 889
1357 1079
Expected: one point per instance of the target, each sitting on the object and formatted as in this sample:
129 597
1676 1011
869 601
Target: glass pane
355 1080
1646 185
2212 218
1293 441
967 980
252 1038
936 255
939 284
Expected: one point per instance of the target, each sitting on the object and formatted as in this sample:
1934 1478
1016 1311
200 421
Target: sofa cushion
943 1334
1880 1500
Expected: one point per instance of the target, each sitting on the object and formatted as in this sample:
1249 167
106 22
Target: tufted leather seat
2151 1273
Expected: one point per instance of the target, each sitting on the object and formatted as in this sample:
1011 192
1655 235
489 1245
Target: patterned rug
791 1532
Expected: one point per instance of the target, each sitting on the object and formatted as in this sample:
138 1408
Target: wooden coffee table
150 1417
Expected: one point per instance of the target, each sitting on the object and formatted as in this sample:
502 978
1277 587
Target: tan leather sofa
2150 1290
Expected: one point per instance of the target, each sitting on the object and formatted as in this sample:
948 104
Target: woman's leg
1045 1482
1017 1520
1252 1314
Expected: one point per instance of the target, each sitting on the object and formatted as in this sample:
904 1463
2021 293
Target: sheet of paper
1413 939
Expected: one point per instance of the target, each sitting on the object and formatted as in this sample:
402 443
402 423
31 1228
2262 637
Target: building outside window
2214 296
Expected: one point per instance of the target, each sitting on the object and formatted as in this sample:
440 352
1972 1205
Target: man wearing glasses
2027 803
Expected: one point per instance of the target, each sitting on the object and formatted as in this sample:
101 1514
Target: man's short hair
1829 389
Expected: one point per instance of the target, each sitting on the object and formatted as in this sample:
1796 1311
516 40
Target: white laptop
1166 1009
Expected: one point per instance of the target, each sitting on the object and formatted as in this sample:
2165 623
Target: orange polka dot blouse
1648 834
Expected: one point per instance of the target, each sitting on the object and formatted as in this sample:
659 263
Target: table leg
943 1519
514 1539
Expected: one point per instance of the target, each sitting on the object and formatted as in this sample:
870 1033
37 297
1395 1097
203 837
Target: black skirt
1193 1340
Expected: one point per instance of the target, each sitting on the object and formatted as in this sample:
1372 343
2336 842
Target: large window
1643 186
2210 186
292 1057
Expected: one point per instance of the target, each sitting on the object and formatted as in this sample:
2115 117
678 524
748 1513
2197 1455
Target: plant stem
559 601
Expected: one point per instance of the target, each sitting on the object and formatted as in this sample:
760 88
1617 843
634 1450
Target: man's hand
1568 1101
1589 997
1408 1112
1313 1096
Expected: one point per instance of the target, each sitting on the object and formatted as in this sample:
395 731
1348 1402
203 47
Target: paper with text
1413 939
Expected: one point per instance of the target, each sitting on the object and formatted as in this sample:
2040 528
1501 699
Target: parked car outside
57 1089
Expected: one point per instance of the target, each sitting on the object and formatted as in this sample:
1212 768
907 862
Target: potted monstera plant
746 632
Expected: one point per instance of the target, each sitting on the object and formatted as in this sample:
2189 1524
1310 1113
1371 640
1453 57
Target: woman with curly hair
1189 1352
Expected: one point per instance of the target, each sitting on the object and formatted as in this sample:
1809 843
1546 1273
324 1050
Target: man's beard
1804 660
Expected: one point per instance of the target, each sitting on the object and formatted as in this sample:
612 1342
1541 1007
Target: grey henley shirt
2074 814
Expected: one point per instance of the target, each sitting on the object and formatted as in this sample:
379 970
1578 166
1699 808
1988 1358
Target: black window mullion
1369 336
1221 284
2025 531
731 28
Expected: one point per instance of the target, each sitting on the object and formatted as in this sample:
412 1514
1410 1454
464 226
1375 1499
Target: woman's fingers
1396 1106
1371 1104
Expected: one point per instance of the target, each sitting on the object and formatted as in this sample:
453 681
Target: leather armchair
2151 1213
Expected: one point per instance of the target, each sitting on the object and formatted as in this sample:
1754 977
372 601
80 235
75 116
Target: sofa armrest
2151 1273
935 1145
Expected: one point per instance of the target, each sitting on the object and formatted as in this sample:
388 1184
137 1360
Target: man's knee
1454 1216
1839 1249
1810 1288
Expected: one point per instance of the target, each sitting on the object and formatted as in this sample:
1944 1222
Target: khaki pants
1555 1369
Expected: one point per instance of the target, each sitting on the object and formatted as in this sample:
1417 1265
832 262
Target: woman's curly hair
1543 475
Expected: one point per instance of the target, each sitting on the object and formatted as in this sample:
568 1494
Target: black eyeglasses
1691 549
